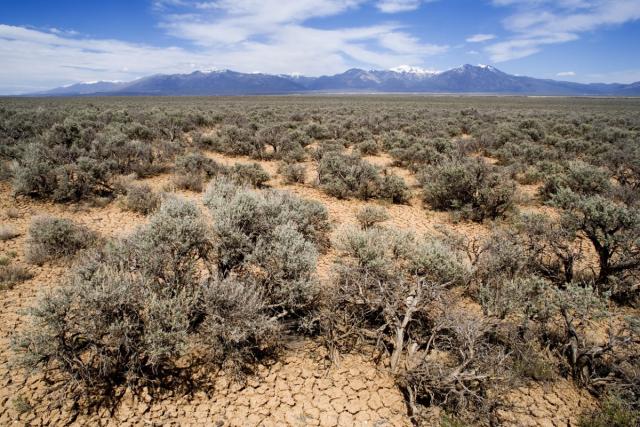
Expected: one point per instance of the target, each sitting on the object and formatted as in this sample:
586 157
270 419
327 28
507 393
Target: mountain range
480 79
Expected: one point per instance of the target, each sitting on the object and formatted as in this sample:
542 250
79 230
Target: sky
47 43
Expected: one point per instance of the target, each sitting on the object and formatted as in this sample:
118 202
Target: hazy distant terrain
465 79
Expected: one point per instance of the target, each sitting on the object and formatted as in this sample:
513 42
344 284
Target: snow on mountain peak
412 70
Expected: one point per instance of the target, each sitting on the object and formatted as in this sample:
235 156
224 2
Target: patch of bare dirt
558 404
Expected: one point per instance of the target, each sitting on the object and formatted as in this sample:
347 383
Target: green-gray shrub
12 274
579 177
8 232
345 176
293 173
51 238
470 187
135 308
371 215
269 238
249 174
141 199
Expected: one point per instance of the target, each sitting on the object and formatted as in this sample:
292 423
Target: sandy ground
299 390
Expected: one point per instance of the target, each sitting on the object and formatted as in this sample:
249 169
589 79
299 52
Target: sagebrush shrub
8 232
394 189
579 177
284 143
249 174
345 176
133 309
73 160
368 148
470 187
238 327
613 230
12 274
293 173
414 153
235 140
141 199
194 169
370 216
613 411
471 374
189 182
378 273
196 163
51 238
269 237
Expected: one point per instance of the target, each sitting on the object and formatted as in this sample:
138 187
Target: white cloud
522 47
566 74
270 33
396 6
34 59
478 38
536 23
244 35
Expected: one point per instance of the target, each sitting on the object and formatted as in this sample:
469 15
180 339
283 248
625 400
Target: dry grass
8 232
12 274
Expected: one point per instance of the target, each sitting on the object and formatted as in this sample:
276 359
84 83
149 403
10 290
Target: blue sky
45 43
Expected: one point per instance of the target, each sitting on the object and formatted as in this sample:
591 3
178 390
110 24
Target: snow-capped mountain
464 79
409 69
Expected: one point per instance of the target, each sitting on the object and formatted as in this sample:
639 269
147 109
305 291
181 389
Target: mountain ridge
482 79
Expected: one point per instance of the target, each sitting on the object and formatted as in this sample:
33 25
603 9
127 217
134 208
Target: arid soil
302 389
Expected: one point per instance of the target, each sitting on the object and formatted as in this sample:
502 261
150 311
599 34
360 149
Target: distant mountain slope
464 79
213 83
84 88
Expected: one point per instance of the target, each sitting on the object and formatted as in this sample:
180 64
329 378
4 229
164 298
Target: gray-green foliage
371 215
579 177
385 282
293 173
133 309
249 174
284 143
194 169
269 238
468 186
8 232
50 238
75 159
613 411
12 274
613 229
345 176
141 199
509 289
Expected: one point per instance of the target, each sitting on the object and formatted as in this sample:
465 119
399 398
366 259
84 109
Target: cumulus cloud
566 74
267 34
245 35
479 38
35 59
536 23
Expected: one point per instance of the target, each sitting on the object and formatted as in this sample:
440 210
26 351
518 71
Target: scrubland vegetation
546 287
